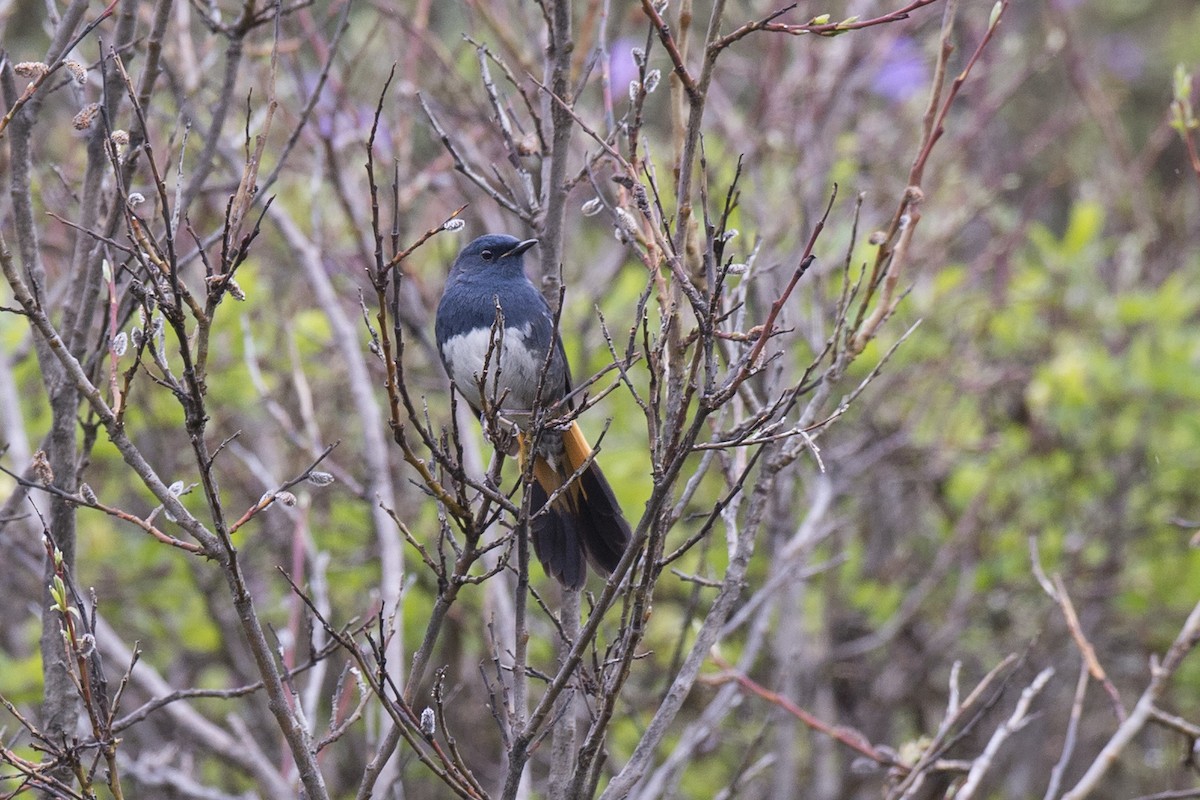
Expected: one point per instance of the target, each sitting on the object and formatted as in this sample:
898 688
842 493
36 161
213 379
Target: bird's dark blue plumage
510 361
490 272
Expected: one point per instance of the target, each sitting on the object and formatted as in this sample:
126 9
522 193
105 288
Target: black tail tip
602 527
556 543
588 528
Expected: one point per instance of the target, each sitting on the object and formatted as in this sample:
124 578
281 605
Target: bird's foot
502 433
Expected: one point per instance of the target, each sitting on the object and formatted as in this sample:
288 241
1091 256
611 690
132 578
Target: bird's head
494 250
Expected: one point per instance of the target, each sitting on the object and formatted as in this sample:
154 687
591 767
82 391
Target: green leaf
1087 220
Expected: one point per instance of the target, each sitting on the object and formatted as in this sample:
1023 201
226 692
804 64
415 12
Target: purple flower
1124 57
902 72
345 123
622 68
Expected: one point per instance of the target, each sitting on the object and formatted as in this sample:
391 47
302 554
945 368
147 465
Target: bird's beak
520 248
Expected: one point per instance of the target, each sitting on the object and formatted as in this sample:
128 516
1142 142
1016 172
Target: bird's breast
507 363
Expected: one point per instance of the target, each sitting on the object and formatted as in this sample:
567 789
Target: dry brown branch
847 736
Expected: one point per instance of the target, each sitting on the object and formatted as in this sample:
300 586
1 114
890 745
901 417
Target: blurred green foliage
1050 393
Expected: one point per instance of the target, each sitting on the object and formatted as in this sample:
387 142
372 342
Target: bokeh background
1048 401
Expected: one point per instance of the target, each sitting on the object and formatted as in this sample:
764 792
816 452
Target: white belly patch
511 375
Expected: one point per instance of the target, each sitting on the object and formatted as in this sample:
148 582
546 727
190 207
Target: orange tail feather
584 521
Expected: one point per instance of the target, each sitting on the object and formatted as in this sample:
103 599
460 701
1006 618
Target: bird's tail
583 522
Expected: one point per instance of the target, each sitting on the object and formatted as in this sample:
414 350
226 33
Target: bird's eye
486 255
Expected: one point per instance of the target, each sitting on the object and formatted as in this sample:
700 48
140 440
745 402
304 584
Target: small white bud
639 56
136 199
83 120
41 467
428 725
738 269
529 144
87 494
287 498
177 488
320 478
453 225
135 336
625 226
78 71
995 16
634 88
652 79
592 207
119 344
626 219
31 69
120 140
730 235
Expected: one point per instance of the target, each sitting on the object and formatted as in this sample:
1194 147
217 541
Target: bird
584 522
